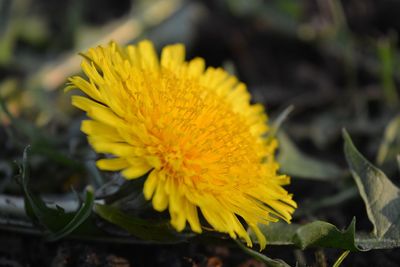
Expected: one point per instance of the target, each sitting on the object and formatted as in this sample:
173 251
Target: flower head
191 129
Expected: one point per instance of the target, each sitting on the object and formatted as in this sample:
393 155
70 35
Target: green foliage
326 235
57 222
80 216
279 233
141 228
381 198
118 189
315 234
297 164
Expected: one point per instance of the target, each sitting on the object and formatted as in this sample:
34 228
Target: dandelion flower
191 129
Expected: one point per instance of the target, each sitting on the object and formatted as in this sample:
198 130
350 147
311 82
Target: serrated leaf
325 235
296 163
78 219
140 228
380 195
57 223
35 208
315 234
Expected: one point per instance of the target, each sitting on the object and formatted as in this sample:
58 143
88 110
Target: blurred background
336 62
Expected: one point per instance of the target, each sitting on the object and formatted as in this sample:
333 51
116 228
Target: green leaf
314 234
79 218
119 188
296 163
380 195
263 258
35 207
326 235
277 123
279 233
143 229
58 223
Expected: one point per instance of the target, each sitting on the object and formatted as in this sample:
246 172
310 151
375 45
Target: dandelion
191 130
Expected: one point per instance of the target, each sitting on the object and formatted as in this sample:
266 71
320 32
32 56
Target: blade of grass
386 56
341 258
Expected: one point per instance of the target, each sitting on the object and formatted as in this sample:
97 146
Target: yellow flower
191 129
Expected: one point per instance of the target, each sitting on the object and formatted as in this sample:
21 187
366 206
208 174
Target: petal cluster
191 129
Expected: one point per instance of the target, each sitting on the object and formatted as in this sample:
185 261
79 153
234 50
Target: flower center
173 160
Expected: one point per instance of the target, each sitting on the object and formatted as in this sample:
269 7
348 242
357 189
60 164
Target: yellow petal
114 164
95 128
192 217
83 103
150 184
281 209
178 220
215 218
226 86
148 55
212 78
140 169
172 56
86 87
239 229
176 207
89 68
160 198
133 55
196 67
118 149
260 236
97 111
